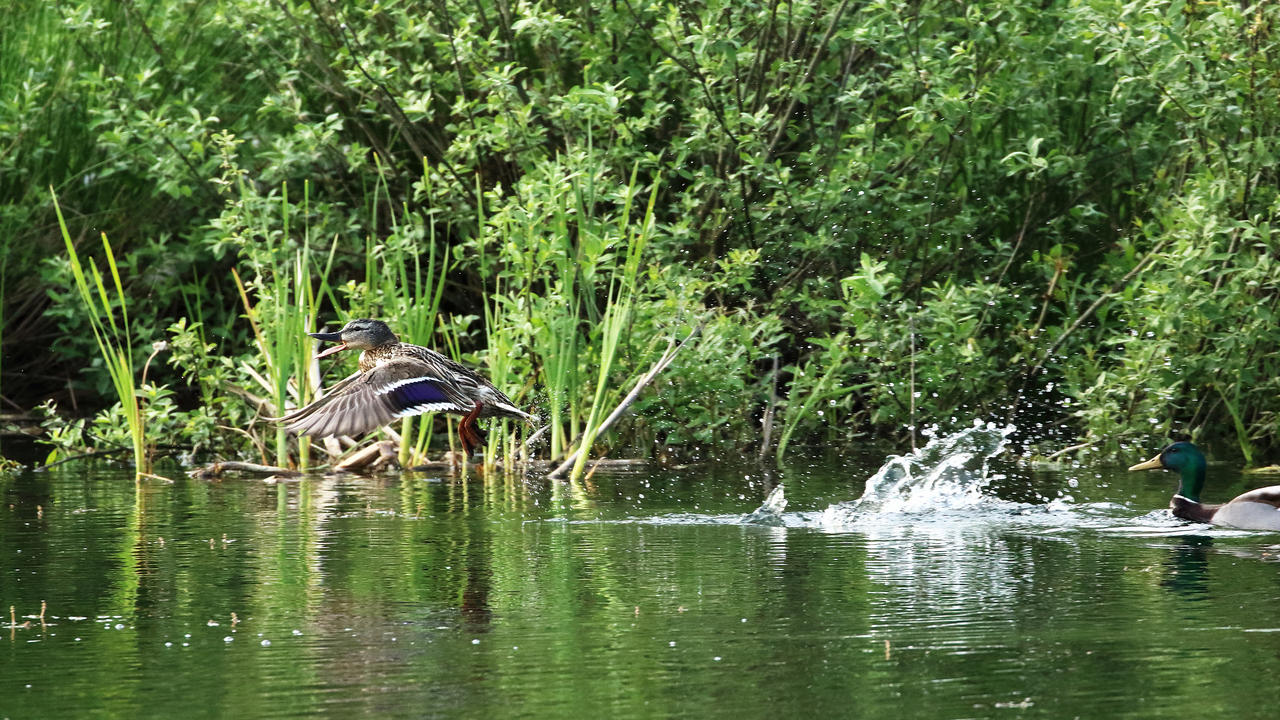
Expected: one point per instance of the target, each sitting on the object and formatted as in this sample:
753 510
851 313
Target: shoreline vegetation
673 231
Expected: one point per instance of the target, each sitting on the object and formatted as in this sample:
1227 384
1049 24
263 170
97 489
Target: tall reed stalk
556 335
811 391
617 315
500 335
501 348
286 310
408 293
114 340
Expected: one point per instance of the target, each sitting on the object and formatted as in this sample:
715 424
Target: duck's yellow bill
1152 464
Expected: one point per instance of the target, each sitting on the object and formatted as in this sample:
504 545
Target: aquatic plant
114 340
283 311
622 295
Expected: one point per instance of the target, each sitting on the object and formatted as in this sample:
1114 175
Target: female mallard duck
396 380
1255 510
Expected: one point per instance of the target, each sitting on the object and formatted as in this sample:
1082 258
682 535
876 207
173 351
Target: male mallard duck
1255 510
396 380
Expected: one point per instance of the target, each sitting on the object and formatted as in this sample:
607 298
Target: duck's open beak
329 337
1152 464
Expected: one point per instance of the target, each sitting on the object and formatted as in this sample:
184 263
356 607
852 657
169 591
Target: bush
923 212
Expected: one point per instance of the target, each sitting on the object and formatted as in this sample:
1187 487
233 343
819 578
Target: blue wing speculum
413 396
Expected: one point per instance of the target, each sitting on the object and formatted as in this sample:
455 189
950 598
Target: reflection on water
944 583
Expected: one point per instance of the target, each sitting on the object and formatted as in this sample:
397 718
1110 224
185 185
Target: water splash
944 488
770 511
949 472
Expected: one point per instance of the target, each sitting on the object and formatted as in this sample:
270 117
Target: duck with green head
1255 510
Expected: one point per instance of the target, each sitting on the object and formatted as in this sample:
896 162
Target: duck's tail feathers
515 412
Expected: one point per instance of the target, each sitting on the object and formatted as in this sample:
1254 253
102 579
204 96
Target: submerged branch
216 470
383 452
1065 450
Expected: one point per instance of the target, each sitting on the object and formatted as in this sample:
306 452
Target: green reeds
286 310
417 300
617 314
555 319
408 293
114 341
562 286
1232 404
813 392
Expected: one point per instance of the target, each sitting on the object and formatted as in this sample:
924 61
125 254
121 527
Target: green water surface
631 595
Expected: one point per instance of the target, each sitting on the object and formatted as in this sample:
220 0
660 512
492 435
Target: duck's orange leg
467 432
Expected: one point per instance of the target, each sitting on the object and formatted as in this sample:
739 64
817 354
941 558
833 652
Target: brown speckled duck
396 380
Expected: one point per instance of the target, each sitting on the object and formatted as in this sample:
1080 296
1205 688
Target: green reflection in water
634 595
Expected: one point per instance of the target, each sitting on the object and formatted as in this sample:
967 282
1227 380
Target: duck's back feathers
1255 510
1264 495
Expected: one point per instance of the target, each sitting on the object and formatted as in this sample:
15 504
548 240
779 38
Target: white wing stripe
407 381
426 408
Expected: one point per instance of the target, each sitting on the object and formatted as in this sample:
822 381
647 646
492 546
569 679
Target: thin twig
911 395
95 453
1066 450
1088 313
530 442
770 411
808 73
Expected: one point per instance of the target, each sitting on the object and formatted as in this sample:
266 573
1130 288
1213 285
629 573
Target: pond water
955 587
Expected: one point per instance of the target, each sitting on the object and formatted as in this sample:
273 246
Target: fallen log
383 452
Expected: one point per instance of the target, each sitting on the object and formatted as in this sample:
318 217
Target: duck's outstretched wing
372 399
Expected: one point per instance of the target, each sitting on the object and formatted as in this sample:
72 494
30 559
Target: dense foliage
1057 213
